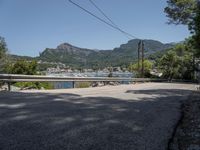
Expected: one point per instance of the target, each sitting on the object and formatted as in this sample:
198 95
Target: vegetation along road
125 117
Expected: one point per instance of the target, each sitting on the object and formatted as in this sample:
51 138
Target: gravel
187 136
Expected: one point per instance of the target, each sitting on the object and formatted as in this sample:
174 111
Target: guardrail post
73 84
9 86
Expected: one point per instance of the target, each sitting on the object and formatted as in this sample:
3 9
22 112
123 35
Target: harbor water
65 85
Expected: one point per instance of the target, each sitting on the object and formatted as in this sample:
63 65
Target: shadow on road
160 92
42 121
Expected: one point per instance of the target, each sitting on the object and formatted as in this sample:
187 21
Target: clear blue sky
30 26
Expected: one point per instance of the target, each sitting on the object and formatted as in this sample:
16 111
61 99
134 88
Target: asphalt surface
126 117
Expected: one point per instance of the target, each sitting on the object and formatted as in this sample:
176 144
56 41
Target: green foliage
169 64
148 65
22 67
3 47
82 84
47 85
195 27
34 85
26 68
16 57
157 55
180 11
186 12
177 63
3 55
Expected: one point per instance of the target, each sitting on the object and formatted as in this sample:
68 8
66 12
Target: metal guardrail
9 78
35 78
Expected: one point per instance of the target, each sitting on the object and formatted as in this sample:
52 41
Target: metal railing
10 78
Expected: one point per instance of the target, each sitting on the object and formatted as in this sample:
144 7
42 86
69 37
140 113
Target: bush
34 85
82 84
148 65
22 67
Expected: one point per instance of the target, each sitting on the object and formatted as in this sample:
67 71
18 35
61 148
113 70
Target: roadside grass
82 84
34 85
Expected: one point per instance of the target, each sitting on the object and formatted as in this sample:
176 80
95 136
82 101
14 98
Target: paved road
126 117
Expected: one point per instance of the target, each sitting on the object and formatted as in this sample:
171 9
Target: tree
186 12
22 67
26 68
177 63
3 56
3 47
169 65
195 28
181 11
148 65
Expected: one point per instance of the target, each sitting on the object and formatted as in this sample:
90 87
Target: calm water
65 85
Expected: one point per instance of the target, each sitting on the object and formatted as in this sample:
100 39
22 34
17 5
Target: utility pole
139 47
142 58
141 51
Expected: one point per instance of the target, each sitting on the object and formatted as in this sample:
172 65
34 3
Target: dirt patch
187 134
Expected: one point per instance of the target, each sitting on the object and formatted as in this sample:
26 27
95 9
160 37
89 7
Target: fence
10 78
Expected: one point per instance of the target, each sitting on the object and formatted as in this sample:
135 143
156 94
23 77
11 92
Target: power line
101 11
112 22
113 25
102 20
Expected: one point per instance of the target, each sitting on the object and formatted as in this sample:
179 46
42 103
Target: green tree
169 64
148 65
177 63
3 47
186 12
26 68
3 56
22 67
181 11
195 28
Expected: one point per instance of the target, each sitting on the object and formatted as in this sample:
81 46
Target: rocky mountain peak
64 46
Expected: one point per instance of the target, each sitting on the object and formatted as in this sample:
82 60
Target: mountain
82 57
16 57
67 54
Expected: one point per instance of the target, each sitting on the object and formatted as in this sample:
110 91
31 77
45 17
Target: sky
30 26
